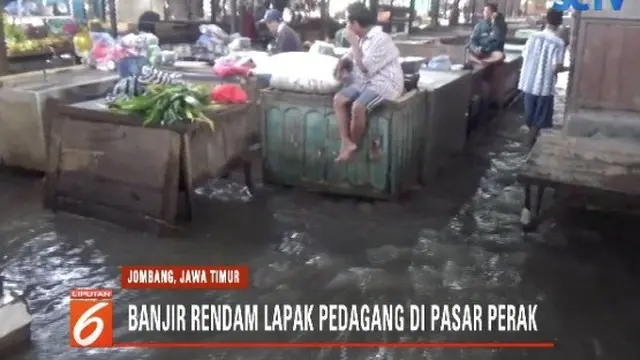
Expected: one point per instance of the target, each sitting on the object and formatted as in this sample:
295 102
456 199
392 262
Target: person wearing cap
286 39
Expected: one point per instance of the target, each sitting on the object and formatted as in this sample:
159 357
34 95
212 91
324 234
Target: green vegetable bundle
168 105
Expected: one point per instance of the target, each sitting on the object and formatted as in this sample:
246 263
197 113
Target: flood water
458 241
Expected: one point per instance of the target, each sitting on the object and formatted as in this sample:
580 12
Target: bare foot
346 151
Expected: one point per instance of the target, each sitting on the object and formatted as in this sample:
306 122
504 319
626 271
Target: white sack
304 72
441 62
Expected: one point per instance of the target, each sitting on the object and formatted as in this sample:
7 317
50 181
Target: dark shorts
538 111
363 95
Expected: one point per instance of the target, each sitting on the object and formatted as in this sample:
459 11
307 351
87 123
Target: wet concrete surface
457 241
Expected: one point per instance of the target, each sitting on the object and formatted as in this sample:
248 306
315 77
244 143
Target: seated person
377 76
486 45
339 39
286 39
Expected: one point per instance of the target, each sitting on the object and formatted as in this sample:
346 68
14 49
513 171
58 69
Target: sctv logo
577 5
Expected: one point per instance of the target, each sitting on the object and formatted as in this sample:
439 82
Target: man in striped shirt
543 58
377 76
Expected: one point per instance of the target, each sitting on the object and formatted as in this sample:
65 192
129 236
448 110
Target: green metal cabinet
300 142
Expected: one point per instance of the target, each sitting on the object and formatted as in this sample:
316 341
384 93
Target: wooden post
434 12
323 18
374 6
412 15
189 10
166 11
454 15
234 16
112 18
103 11
4 59
241 10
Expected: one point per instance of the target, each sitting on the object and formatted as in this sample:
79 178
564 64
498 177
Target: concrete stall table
23 141
447 94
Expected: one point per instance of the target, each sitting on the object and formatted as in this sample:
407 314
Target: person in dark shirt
339 39
486 44
286 39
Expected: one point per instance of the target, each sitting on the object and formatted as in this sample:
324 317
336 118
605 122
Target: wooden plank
604 76
114 216
630 78
210 152
171 188
613 69
108 192
591 61
114 172
131 155
600 165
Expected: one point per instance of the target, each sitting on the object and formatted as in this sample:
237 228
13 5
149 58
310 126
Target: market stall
136 161
24 120
38 35
300 138
300 143
457 99
490 84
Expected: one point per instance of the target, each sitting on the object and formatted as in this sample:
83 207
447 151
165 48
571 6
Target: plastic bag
214 31
212 47
136 85
321 47
212 42
232 67
101 38
165 58
104 56
143 44
228 94
240 44
441 62
82 44
304 72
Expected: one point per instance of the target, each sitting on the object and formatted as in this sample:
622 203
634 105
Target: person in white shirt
377 76
543 59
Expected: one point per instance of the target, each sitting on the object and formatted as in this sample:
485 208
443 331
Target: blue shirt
287 40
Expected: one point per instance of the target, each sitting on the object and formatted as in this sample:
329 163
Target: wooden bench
603 173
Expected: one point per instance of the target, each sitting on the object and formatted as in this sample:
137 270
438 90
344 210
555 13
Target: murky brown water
459 240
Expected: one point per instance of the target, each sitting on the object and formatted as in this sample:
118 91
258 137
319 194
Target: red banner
184 277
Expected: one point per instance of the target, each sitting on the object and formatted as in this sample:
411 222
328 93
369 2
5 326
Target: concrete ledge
604 125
